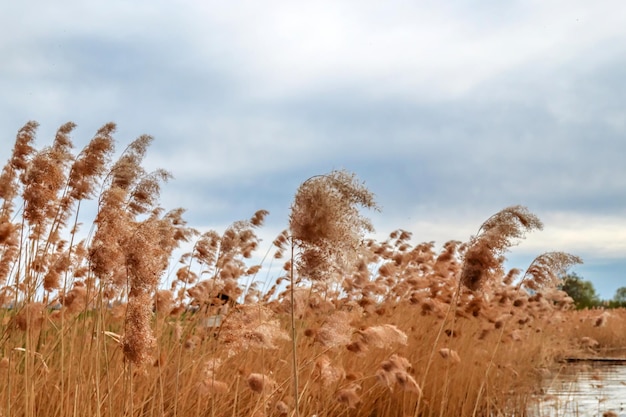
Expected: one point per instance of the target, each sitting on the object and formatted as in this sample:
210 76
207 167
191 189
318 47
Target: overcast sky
449 111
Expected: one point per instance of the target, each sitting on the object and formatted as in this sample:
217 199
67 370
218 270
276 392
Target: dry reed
387 328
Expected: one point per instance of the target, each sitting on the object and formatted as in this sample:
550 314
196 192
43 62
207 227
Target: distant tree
619 299
582 292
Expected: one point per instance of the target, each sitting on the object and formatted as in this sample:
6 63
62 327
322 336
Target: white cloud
594 235
285 49
586 235
281 49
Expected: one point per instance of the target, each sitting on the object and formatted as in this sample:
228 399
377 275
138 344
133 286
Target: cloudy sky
449 111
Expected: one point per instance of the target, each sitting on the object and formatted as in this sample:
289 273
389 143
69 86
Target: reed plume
349 395
91 164
326 227
9 189
325 222
328 374
546 270
223 258
484 257
396 371
114 222
44 180
261 383
18 163
138 340
147 252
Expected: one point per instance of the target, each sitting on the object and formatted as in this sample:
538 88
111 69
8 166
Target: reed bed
351 327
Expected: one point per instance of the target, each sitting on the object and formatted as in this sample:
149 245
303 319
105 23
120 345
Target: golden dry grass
353 327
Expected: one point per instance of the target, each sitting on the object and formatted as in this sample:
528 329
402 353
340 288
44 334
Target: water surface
584 389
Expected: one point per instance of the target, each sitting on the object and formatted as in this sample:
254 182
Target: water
584 389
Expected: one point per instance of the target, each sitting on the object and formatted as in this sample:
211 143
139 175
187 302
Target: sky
448 111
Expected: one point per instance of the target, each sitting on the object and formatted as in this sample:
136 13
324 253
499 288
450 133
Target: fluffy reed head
325 221
138 339
18 162
485 254
546 270
45 179
91 163
261 383
396 371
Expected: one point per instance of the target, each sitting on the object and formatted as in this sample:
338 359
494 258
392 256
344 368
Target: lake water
584 389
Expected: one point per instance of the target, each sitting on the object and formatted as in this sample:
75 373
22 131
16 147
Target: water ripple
584 390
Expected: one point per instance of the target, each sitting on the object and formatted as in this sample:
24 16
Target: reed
353 326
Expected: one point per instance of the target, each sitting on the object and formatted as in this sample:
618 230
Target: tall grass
353 326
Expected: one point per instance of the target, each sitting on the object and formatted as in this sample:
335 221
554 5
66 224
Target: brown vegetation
354 327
